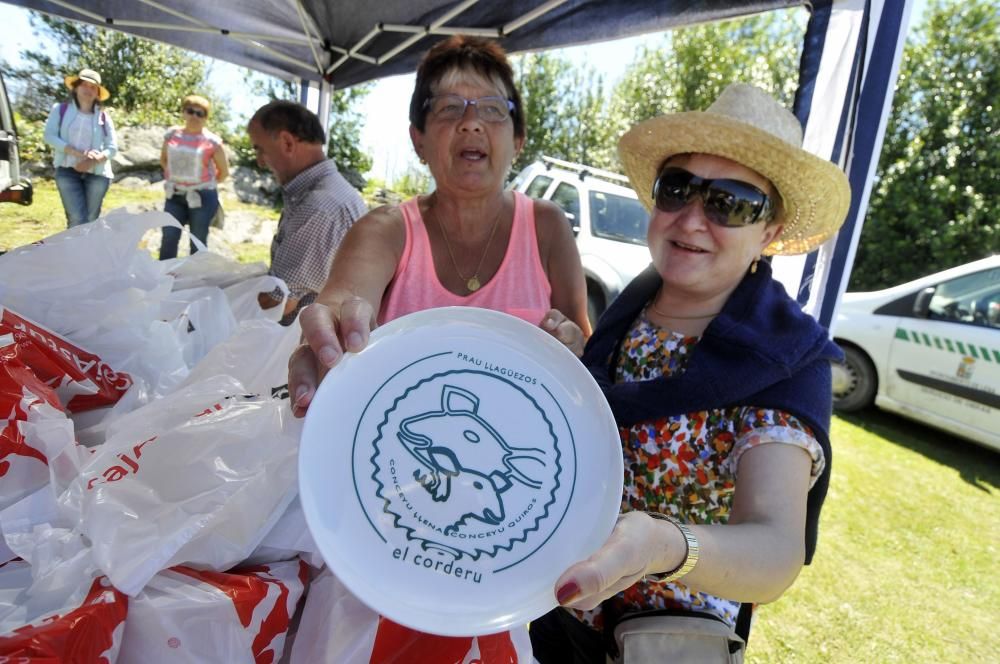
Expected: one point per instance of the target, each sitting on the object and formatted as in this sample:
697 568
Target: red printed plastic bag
337 627
193 616
197 478
69 616
81 379
34 429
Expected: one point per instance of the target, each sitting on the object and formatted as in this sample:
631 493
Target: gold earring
423 161
753 266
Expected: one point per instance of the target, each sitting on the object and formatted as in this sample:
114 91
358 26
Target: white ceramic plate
456 467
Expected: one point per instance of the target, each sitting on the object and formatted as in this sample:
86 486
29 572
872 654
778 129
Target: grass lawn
906 568
20 225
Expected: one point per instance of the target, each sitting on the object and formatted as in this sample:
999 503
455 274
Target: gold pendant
473 284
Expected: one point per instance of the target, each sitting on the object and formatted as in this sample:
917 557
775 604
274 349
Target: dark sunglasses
730 203
197 112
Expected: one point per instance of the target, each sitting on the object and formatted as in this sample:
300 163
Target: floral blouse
686 465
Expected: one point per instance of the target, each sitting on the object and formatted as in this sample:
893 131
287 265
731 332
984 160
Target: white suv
607 218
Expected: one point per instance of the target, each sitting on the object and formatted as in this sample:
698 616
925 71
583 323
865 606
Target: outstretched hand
638 545
326 334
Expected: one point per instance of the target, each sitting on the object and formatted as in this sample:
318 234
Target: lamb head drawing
466 462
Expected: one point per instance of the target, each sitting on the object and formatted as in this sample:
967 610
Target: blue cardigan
762 350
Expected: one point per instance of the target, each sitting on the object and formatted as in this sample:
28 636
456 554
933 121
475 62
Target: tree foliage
147 80
346 120
564 110
693 65
935 200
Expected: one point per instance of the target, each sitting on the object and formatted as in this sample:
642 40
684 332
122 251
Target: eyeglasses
730 203
197 112
452 107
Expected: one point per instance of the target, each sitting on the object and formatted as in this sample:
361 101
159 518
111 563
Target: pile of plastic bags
147 455
148 470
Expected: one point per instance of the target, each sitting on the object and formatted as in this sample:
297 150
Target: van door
947 362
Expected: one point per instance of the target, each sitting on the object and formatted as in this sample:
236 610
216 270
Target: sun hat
747 125
90 76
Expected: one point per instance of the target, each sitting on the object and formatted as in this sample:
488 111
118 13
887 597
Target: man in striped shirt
320 205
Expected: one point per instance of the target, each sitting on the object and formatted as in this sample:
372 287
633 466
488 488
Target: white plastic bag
243 298
201 318
196 478
256 355
204 268
289 538
185 615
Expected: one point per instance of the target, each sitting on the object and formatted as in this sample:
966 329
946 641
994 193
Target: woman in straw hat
83 140
194 162
720 385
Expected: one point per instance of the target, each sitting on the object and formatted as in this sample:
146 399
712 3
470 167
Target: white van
928 349
607 218
12 188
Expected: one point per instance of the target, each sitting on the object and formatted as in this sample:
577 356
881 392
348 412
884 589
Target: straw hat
748 126
90 76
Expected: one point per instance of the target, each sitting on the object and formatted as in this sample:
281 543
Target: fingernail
300 394
354 340
568 592
328 356
549 323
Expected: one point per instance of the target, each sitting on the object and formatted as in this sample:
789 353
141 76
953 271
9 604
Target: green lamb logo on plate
467 464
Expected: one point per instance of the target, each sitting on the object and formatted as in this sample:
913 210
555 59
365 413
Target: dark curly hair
478 55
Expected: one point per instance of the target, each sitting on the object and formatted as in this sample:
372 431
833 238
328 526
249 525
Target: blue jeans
196 219
81 194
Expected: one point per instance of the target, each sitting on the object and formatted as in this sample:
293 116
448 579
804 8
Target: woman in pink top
470 243
193 162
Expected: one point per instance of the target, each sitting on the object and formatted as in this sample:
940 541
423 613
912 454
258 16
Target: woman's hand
327 332
564 330
638 545
96 156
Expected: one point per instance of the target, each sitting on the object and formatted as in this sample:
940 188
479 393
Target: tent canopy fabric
351 41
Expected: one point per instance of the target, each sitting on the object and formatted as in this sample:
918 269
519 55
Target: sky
385 136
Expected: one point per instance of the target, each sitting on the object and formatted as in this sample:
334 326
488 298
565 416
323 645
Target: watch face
452 470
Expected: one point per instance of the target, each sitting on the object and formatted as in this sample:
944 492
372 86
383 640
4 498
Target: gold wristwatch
690 558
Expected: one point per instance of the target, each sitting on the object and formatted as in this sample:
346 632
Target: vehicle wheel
595 307
854 381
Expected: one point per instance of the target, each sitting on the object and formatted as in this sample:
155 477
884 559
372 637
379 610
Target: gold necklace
472 283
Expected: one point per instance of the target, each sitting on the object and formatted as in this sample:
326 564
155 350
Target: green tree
564 110
693 65
147 79
935 200
346 123
346 120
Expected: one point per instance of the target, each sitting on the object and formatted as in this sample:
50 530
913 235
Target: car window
618 217
973 299
567 197
538 186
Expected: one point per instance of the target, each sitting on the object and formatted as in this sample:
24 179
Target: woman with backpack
83 140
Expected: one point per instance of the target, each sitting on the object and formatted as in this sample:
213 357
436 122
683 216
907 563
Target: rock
355 179
252 186
138 149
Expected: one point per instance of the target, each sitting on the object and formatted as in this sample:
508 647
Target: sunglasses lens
197 112
671 192
734 203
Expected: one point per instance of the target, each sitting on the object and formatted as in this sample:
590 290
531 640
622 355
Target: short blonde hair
197 100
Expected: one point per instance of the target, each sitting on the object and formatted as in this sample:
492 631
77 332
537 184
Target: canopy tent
848 69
